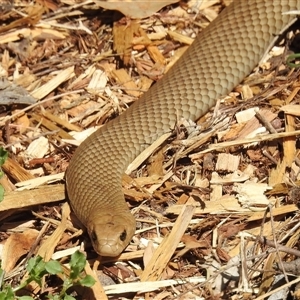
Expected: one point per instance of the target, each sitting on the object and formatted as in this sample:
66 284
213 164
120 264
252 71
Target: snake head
111 233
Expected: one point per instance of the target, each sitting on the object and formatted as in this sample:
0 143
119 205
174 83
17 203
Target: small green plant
3 158
77 264
37 269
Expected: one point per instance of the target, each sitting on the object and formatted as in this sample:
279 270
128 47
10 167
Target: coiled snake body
220 57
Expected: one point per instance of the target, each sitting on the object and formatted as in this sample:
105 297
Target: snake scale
220 57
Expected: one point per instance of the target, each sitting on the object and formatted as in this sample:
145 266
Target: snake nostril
123 236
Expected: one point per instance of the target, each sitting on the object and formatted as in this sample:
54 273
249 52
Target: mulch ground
216 204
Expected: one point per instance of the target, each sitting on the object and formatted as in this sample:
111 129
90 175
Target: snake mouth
108 247
110 237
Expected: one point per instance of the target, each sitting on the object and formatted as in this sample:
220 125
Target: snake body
220 57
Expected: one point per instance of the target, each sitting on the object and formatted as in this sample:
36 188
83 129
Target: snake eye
93 236
123 236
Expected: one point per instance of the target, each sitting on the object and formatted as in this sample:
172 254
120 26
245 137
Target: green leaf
77 264
2 273
32 263
1 192
40 268
88 281
55 297
36 269
68 297
3 156
53 267
7 294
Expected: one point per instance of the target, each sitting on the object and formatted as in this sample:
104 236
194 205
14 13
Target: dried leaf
134 8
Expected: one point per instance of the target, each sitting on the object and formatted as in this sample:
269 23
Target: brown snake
220 57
